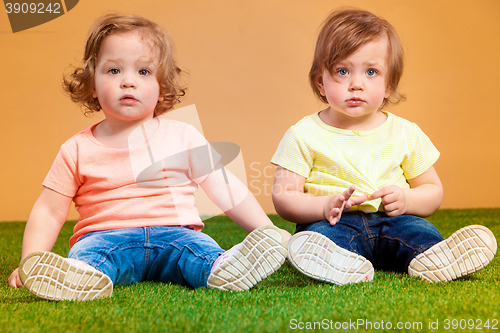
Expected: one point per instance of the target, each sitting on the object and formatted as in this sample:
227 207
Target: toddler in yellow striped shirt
358 180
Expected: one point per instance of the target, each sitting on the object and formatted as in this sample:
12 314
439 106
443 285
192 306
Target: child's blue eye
114 71
144 72
342 71
371 72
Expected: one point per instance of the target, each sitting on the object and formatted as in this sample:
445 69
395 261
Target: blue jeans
166 254
389 243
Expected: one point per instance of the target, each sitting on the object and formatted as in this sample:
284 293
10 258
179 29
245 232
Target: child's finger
389 199
286 234
339 203
358 200
393 211
334 216
348 193
335 212
392 207
14 280
379 194
19 284
333 220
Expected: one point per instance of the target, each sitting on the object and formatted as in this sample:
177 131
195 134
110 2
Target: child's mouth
355 101
128 99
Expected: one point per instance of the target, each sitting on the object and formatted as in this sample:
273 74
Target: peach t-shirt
151 183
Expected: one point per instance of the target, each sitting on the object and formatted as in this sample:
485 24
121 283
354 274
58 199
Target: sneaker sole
466 251
316 256
49 276
262 253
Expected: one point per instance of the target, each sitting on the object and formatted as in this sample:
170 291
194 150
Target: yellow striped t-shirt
332 159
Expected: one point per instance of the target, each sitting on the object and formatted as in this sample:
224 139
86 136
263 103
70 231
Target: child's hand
14 280
334 208
393 199
286 234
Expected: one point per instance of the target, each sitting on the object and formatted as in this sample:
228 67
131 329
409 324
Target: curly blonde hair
344 32
79 83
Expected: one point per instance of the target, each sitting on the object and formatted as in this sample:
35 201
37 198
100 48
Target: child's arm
422 198
294 205
44 224
235 200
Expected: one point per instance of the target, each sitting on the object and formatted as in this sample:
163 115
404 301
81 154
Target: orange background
248 63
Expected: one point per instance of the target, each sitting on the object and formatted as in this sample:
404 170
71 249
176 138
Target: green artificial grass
286 301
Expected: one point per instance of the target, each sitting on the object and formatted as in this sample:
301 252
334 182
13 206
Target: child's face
126 78
358 85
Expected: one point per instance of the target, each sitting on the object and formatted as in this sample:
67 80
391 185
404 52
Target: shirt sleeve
293 154
62 176
422 154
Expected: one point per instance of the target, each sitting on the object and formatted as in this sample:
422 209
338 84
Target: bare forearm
235 200
248 214
424 200
45 221
300 207
41 231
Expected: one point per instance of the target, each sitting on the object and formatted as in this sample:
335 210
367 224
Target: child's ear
319 84
387 93
94 93
160 99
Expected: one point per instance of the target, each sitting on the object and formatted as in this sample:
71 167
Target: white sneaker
260 254
466 251
50 276
316 256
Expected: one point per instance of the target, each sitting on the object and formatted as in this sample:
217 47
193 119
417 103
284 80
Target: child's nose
128 82
356 83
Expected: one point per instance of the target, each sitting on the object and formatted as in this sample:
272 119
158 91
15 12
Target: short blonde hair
345 31
79 84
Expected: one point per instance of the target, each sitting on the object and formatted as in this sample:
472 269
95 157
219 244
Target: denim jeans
165 254
389 243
